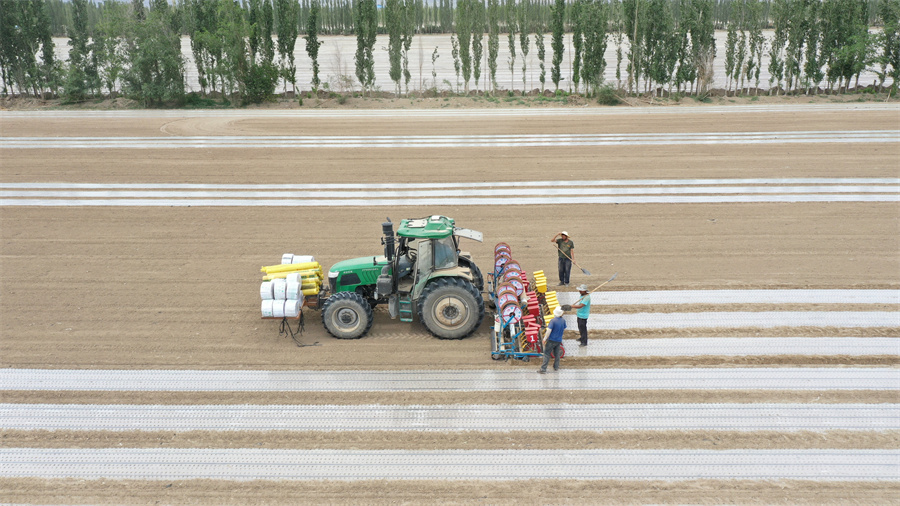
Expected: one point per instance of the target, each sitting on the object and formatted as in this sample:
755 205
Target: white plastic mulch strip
778 378
453 201
736 346
667 191
836 296
449 192
451 141
261 464
444 418
551 184
734 319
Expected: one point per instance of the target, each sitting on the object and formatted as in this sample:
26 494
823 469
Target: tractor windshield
444 253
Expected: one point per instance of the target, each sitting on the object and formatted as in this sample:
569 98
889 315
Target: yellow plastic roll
538 274
310 291
541 288
310 284
270 269
311 275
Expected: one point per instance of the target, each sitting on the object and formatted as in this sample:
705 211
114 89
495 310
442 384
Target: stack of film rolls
285 286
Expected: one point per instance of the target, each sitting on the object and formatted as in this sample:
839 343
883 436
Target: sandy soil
147 288
535 491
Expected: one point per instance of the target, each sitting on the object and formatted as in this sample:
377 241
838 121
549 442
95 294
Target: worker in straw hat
552 341
584 311
566 252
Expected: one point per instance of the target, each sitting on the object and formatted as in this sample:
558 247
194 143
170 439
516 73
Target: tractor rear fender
455 272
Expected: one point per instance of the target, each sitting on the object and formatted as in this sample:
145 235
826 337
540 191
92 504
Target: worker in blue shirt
552 341
584 311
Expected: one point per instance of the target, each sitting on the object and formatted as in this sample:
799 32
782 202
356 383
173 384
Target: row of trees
243 50
335 17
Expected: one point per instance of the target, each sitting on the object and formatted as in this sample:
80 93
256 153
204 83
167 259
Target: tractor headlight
332 280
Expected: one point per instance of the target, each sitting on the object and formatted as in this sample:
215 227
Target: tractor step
406 311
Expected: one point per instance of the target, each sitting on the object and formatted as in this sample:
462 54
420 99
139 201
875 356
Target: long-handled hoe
568 307
585 271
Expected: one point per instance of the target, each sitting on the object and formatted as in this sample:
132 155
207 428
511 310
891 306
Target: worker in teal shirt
584 311
553 340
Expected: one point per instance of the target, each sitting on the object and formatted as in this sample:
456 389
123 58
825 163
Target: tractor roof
433 227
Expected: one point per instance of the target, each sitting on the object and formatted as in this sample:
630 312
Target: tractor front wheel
451 308
347 315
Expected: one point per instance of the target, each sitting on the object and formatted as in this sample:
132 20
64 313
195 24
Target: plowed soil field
158 287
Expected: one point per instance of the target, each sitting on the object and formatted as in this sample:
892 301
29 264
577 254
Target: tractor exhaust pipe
387 228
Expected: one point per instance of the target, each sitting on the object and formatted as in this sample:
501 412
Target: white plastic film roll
280 289
278 308
267 309
293 290
301 259
292 307
266 290
287 258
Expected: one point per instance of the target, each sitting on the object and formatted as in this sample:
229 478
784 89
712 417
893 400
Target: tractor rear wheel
451 308
347 315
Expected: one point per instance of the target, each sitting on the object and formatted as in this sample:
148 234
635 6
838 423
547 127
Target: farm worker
552 341
584 310
566 252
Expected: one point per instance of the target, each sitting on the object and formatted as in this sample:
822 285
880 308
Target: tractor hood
346 275
357 264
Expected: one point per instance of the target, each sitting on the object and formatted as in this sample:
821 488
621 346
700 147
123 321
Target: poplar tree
557 13
757 42
25 32
618 34
77 86
108 44
780 16
731 41
703 42
478 12
463 28
286 12
204 43
409 25
366 24
155 66
890 42
493 39
813 65
596 18
312 46
511 29
634 30
524 43
660 52
539 29
393 12
578 23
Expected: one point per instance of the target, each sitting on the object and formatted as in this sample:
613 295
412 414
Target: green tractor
422 271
